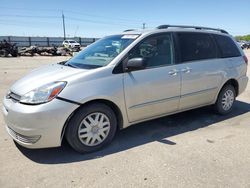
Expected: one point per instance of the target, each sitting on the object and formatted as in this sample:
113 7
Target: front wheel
225 100
91 128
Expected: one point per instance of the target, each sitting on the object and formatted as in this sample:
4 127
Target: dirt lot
192 149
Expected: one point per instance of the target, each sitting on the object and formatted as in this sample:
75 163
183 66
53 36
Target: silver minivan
122 80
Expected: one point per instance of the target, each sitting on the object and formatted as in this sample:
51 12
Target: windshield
72 41
102 52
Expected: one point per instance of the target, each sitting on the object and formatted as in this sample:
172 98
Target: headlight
43 94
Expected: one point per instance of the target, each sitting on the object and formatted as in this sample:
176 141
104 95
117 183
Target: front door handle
173 72
186 70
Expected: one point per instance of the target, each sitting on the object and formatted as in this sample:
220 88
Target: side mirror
135 64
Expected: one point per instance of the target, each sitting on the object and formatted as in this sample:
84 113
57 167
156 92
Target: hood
44 75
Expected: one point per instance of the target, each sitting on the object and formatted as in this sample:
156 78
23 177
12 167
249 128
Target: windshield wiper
62 62
67 64
70 65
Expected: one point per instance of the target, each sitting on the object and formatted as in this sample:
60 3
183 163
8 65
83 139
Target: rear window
196 46
227 46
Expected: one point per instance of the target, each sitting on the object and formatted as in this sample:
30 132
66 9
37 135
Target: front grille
14 96
22 138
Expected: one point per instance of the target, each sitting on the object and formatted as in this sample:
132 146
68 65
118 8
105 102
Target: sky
98 18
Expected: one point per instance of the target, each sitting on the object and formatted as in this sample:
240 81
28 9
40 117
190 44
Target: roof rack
191 27
128 30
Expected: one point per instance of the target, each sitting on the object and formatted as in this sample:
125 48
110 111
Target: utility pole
143 25
64 33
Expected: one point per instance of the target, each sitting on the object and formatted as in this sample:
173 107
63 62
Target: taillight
245 59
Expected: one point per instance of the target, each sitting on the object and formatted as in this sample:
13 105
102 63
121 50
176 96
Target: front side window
196 46
156 51
102 52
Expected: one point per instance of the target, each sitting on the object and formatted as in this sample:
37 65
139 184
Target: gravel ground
192 149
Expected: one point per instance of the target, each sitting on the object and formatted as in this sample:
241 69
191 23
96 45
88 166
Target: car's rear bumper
242 84
37 126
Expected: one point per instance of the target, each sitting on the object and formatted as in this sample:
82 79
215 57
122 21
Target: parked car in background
71 44
122 80
248 44
243 44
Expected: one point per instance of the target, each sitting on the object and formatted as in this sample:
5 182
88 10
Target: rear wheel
225 100
91 128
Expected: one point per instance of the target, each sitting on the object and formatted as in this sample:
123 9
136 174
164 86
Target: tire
6 53
226 97
2 53
89 122
14 54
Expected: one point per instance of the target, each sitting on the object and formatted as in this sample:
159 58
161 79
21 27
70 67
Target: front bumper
37 126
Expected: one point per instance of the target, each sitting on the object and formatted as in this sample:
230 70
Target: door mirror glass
135 64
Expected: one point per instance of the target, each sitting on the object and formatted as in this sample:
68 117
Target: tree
244 37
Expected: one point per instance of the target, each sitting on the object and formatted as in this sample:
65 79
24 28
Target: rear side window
196 46
227 46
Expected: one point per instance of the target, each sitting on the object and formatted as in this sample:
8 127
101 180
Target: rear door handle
186 70
173 72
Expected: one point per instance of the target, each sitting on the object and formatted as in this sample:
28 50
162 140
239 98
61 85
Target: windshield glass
101 52
72 41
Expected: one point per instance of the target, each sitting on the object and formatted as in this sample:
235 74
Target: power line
22 25
69 11
107 20
34 10
29 16
29 22
105 17
71 18
97 22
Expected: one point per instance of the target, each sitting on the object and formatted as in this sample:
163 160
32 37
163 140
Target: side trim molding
171 98
198 92
154 102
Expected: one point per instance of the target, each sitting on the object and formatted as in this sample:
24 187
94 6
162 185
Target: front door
155 90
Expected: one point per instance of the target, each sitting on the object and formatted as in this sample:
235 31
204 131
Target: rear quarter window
227 46
196 46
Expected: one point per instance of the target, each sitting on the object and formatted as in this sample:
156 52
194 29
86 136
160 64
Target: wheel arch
234 83
109 103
